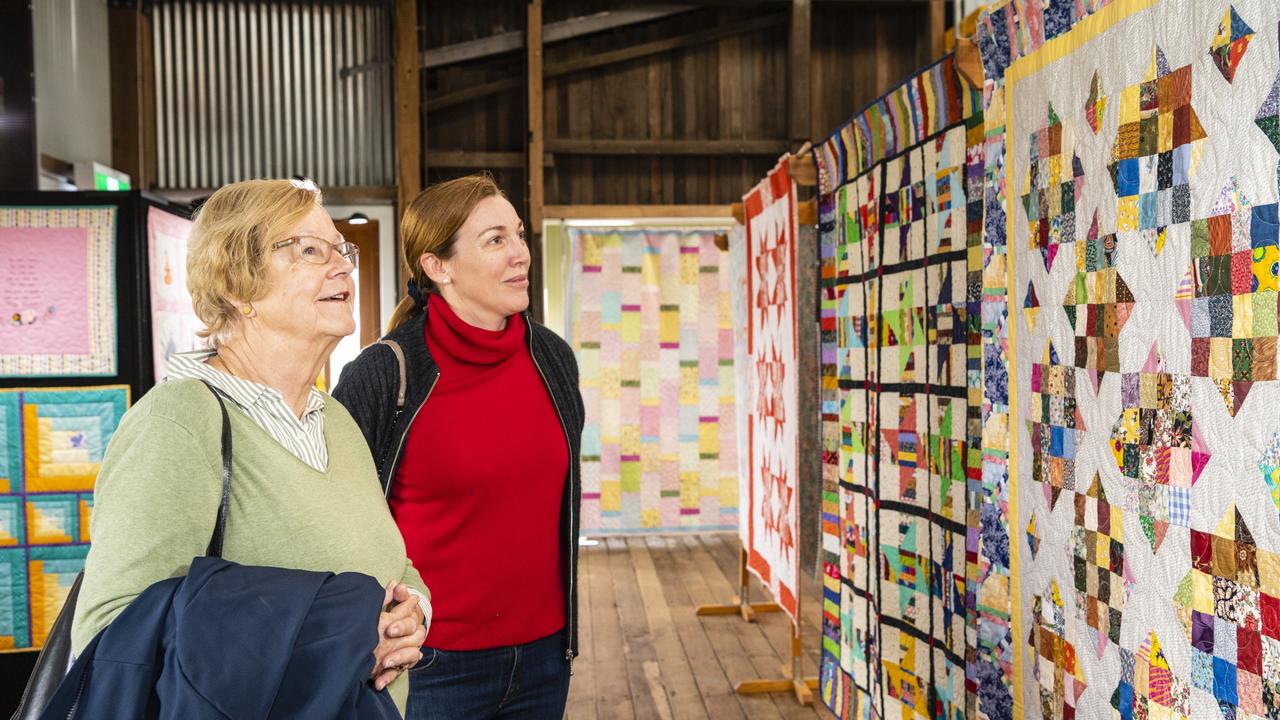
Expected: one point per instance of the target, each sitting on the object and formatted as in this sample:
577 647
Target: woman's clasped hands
401 631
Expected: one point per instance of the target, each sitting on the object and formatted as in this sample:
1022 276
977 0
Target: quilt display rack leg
741 604
792 680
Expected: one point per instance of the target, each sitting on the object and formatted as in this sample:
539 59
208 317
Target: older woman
478 453
271 277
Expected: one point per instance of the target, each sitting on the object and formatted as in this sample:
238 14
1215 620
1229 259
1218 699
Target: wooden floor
646 655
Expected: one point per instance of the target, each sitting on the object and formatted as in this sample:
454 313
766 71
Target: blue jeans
518 681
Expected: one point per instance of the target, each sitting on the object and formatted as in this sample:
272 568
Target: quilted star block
1059 676
1055 425
904 209
1102 573
1230 294
1229 605
1157 147
1052 188
1098 303
1157 444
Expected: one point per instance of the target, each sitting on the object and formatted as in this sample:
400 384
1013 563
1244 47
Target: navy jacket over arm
230 641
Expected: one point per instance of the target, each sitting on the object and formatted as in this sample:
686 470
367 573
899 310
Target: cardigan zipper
395 459
572 541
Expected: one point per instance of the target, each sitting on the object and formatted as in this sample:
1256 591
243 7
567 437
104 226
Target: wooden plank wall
731 89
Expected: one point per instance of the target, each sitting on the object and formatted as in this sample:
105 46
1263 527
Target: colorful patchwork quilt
899 314
51 445
654 336
1142 240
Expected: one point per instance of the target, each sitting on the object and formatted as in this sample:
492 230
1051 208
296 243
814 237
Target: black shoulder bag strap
384 453
220 524
55 657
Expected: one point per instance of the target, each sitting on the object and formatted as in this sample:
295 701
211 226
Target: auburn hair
430 227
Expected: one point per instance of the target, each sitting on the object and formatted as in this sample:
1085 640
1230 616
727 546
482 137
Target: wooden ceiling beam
612 57
481 159
572 146
551 33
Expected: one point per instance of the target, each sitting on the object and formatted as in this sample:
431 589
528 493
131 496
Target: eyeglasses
318 251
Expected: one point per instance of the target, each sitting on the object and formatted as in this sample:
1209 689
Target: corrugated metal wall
256 90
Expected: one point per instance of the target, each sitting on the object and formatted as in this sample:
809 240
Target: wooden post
147 101
535 199
408 105
936 29
536 141
132 77
798 101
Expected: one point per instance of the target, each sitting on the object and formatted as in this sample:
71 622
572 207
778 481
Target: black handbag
55 657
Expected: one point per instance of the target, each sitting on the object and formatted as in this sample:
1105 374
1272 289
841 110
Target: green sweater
158 491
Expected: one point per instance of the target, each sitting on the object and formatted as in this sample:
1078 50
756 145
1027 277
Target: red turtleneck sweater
478 492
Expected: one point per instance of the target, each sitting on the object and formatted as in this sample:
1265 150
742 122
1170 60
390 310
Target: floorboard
646 654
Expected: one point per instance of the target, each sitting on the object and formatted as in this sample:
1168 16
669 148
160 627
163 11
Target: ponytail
407 310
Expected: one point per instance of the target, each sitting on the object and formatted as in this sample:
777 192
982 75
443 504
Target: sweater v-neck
264 437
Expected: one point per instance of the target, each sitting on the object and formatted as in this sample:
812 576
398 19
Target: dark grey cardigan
369 390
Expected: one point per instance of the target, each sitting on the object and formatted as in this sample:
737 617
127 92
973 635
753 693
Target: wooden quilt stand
792 679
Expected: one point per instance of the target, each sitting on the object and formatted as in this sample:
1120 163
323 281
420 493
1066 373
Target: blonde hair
231 242
430 226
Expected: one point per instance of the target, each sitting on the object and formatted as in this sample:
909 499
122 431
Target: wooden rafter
551 33
611 57
572 146
482 159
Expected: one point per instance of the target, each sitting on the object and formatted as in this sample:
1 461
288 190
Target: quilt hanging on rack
1144 250
1007 30
773 522
173 321
653 333
51 446
57 291
735 264
920 108
899 316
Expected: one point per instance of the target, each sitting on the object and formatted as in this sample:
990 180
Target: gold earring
246 310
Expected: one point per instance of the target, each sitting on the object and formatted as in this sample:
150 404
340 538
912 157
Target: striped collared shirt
264 405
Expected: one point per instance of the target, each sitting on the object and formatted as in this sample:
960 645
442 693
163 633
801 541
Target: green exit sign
103 181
